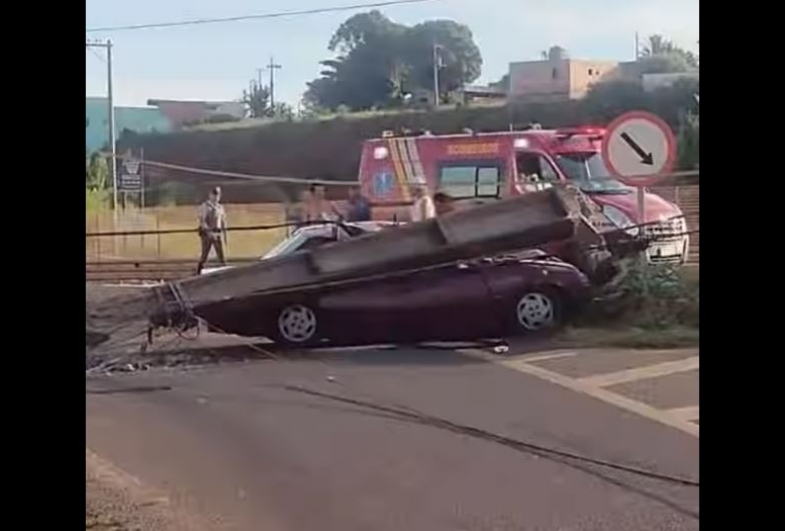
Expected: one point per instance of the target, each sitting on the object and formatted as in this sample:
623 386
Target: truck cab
474 168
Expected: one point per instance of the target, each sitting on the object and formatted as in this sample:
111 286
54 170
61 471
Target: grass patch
660 310
241 244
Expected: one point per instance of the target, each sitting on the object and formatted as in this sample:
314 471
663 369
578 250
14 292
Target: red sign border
670 141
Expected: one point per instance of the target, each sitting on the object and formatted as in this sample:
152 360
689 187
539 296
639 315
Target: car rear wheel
297 324
537 311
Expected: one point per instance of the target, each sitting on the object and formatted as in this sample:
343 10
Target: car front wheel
537 311
297 324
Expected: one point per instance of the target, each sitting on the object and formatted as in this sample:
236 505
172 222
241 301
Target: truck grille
673 228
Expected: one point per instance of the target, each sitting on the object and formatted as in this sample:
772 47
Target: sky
217 61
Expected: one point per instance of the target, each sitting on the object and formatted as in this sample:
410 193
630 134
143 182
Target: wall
535 80
583 74
137 119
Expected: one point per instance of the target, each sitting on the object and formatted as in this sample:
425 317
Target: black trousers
210 241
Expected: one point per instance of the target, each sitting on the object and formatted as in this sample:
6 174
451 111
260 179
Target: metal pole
637 47
642 220
436 75
112 143
272 67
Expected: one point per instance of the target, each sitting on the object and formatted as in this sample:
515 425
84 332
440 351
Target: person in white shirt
423 207
212 228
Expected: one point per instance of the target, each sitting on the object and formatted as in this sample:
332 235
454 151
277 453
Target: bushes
664 298
314 148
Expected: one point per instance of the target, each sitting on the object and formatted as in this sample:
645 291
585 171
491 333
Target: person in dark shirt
358 208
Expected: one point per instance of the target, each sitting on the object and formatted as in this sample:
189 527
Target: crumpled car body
464 301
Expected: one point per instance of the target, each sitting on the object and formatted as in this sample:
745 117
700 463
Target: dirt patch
638 338
117 501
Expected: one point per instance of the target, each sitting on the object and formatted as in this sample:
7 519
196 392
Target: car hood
657 208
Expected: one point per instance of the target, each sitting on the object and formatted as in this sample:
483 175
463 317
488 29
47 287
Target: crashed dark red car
527 292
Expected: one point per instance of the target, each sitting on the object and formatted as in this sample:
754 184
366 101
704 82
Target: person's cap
216 190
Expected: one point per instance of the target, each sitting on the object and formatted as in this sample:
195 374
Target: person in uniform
423 207
212 228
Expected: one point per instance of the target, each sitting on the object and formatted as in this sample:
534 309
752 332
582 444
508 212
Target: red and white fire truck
477 167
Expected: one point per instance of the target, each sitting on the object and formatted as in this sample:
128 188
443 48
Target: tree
380 61
257 98
661 56
503 84
97 173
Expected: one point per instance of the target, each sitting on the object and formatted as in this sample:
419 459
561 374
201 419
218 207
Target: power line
280 14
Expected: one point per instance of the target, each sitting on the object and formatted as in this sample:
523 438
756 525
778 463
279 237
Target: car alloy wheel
297 323
536 311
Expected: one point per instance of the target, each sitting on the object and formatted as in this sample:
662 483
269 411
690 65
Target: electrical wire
410 413
259 16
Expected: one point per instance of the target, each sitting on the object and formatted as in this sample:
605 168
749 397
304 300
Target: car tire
296 324
536 310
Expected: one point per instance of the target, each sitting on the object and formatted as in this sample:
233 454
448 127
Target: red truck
478 167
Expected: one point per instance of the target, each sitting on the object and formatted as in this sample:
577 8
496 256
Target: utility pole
637 47
110 100
272 67
436 64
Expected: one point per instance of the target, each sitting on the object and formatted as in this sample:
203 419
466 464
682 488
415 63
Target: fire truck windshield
588 171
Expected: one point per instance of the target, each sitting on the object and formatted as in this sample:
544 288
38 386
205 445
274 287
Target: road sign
130 174
638 148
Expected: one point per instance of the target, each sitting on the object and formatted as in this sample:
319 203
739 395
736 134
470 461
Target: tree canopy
379 62
659 56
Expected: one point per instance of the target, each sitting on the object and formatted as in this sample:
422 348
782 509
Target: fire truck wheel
296 324
537 310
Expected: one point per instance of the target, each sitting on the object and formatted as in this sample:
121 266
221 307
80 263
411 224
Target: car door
449 302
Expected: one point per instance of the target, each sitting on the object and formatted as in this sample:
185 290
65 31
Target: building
136 119
561 79
185 112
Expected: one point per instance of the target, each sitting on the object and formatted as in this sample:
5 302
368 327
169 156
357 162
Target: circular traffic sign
638 148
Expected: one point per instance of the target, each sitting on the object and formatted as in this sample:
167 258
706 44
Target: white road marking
685 413
544 357
641 373
579 386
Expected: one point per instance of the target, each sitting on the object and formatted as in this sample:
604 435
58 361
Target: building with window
136 119
562 79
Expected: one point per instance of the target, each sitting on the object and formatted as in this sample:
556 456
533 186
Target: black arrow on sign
646 158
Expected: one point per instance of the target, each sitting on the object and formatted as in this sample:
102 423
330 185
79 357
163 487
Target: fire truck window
487 182
470 181
458 181
533 164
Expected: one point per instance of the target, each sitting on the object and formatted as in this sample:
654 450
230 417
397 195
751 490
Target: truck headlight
620 220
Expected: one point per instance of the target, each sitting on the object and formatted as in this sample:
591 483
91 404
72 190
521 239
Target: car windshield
286 246
589 172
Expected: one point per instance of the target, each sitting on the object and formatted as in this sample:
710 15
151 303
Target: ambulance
477 167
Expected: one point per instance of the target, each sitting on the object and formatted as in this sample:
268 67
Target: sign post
638 148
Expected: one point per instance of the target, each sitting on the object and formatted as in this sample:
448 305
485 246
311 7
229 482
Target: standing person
358 208
321 208
423 207
212 228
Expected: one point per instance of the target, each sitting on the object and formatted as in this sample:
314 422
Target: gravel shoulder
116 501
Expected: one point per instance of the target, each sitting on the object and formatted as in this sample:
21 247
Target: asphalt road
231 445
